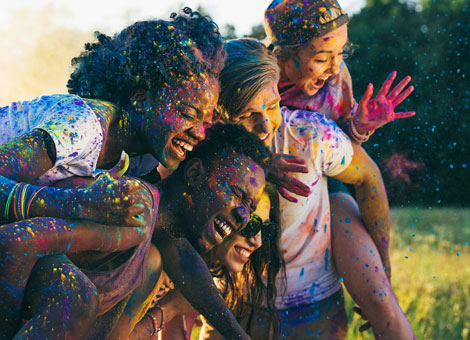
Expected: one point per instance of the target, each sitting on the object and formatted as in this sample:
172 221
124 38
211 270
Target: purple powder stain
384 243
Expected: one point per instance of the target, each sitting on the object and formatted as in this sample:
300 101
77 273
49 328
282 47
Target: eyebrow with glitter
325 51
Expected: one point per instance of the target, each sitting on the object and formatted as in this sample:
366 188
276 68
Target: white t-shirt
306 236
72 125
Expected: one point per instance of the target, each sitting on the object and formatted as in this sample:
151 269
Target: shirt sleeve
77 135
336 150
321 141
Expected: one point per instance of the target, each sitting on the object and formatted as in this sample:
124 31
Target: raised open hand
372 114
279 175
112 199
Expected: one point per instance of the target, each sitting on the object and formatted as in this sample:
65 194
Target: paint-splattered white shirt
72 125
306 235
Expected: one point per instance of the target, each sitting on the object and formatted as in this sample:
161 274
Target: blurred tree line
425 159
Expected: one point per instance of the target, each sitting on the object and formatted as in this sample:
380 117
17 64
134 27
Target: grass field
430 273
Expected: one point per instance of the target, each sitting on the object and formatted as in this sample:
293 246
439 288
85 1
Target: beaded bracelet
355 135
156 328
154 324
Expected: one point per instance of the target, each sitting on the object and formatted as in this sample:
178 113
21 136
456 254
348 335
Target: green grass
430 272
430 255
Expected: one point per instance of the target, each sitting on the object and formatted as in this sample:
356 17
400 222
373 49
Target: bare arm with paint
108 200
23 243
42 236
369 115
372 199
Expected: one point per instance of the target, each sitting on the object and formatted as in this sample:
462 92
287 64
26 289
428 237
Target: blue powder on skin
326 259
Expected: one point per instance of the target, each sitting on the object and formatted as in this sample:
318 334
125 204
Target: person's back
305 238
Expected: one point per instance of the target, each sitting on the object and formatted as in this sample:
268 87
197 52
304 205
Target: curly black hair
146 55
223 139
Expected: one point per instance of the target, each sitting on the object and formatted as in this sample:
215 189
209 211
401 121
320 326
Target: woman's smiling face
262 115
235 251
175 119
314 63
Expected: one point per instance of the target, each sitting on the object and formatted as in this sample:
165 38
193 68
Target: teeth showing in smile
223 229
184 145
242 252
264 137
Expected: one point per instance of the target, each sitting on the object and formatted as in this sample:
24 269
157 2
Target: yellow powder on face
30 230
264 206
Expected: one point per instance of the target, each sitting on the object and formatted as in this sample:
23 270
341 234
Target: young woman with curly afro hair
149 89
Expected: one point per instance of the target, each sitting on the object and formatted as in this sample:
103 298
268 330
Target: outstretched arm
191 276
109 200
372 199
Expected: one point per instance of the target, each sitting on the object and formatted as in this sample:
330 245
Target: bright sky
36 50
110 16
